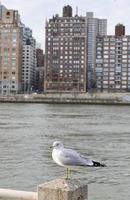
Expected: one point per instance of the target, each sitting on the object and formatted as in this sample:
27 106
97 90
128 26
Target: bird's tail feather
98 164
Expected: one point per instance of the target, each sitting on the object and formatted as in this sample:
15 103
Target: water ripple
100 132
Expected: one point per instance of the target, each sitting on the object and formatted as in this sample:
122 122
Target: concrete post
62 189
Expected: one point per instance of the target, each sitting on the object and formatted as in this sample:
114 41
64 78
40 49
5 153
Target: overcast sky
34 12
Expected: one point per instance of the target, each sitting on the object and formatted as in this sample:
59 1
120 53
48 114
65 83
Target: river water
101 132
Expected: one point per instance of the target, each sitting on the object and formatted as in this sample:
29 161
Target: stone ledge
62 189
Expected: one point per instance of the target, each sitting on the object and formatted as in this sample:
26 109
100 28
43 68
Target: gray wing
70 157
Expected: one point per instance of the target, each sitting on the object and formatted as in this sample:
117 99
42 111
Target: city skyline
113 10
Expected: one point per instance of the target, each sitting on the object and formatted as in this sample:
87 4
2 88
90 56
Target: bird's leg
68 173
67 177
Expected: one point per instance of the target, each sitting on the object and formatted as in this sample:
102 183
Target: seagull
68 158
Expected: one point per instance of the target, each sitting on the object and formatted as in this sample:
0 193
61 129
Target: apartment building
40 70
95 27
65 60
2 10
10 51
112 67
28 61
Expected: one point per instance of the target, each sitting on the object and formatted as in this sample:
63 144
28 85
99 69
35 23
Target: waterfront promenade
77 98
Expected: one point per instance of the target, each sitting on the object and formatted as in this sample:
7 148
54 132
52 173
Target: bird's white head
58 144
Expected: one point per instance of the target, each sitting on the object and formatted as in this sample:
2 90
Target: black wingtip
97 164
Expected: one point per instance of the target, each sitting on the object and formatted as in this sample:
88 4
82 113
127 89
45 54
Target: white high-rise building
95 27
2 11
29 61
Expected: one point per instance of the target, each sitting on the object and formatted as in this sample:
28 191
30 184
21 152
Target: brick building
10 51
65 61
40 70
112 69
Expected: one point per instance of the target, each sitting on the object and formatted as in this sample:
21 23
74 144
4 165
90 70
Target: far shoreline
69 98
